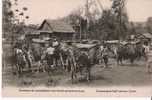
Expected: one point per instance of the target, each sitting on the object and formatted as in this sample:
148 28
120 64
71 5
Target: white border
61 98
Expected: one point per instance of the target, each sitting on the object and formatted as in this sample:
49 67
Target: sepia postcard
76 48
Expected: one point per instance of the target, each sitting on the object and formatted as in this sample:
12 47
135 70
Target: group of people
22 57
54 52
25 55
129 51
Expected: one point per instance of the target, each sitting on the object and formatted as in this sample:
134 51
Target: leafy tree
149 25
11 22
104 28
7 17
77 21
113 24
118 9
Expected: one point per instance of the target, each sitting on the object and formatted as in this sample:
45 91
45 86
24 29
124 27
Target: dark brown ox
84 58
129 52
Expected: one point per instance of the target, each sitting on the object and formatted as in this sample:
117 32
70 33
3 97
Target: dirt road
125 75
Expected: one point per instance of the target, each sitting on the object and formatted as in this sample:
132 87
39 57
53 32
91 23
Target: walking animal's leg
149 66
88 74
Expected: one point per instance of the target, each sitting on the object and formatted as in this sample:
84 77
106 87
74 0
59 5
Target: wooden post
87 18
80 30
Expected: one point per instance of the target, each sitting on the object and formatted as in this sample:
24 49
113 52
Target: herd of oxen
72 57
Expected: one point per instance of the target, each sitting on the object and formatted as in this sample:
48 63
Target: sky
38 10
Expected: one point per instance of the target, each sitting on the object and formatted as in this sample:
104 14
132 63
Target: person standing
148 54
71 61
50 55
100 54
28 56
105 56
56 46
55 43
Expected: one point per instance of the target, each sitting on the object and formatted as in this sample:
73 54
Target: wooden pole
87 18
80 29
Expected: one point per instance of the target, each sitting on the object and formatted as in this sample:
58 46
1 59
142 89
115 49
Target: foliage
7 17
12 27
149 24
77 21
113 24
119 10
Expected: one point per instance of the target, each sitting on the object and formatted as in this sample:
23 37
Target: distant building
31 32
56 28
144 36
140 27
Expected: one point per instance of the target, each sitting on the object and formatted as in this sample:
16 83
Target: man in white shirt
101 48
55 43
50 50
50 55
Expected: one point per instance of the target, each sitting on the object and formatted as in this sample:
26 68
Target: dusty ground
125 75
